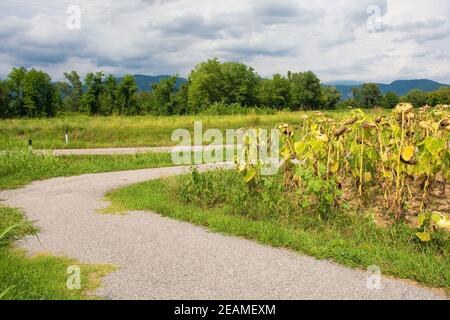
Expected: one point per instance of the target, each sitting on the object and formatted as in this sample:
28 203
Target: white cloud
329 37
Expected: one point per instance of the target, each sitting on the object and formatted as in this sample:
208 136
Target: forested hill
400 87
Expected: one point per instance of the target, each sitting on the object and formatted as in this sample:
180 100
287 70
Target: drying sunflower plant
398 163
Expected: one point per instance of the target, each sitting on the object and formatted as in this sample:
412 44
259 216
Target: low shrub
220 108
221 188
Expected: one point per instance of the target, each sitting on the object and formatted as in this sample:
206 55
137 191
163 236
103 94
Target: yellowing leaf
434 145
299 147
408 153
334 167
421 219
249 174
317 145
388 176
285 153
437 216
423 236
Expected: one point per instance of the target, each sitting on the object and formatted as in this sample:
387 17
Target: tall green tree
127 95
73 99
144 101
108 99
330 97
206 85
239 84
15 82
391 99
4 99
162 96
180 100
416 97
439 96
368 96
62 91
38 94
274 92
306 92
229 82
91 97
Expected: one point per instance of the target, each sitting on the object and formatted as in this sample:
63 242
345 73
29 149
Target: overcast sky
364 40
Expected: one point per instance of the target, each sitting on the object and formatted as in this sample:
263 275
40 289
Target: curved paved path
160 258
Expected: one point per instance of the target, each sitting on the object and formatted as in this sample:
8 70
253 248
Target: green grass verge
126 131
42 277
19 167
351 240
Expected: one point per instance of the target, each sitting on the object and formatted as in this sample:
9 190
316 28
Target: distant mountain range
343 83
145 82
400 87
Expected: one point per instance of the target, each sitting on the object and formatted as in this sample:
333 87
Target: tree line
369 96
31 93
